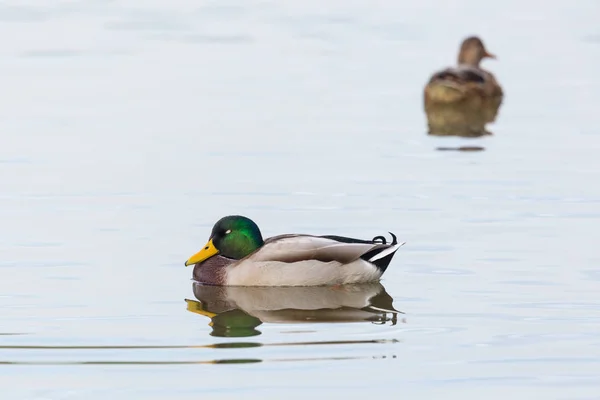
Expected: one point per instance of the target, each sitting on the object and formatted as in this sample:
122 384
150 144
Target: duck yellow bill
207 252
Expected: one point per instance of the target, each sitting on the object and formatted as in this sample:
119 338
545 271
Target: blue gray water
129 127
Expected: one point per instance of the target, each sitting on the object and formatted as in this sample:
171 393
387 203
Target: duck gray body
302 260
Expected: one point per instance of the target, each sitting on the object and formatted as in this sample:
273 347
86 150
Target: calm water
129 127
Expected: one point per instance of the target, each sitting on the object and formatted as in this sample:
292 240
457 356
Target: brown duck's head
472 51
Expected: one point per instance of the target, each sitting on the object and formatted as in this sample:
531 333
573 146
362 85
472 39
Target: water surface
129 127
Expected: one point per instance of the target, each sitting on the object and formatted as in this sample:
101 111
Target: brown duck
465 94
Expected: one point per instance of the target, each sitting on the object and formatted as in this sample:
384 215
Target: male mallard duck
466 87
237 255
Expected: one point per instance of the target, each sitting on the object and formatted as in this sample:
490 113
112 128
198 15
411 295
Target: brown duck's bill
207 252
489 55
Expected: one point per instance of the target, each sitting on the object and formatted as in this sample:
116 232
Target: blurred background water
128 128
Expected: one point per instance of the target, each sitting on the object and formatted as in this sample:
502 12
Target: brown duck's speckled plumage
465 94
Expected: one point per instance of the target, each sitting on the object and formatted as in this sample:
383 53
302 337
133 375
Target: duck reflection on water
237 311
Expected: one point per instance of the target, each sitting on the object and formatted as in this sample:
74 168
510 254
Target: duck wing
460 83
460 74
296 248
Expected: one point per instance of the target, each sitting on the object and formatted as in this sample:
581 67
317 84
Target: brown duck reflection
461 100
237 311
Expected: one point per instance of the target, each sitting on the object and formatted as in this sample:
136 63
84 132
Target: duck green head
233 237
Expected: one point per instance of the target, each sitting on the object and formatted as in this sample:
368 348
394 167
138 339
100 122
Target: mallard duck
467 88
237 255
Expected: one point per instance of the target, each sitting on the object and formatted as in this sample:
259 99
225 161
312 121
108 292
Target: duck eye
228 231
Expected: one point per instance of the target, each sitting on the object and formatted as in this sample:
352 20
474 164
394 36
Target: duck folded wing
295 248
460 74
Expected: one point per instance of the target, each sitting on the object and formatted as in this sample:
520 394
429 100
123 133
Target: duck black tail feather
382 240
381 257
381 263
376 239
